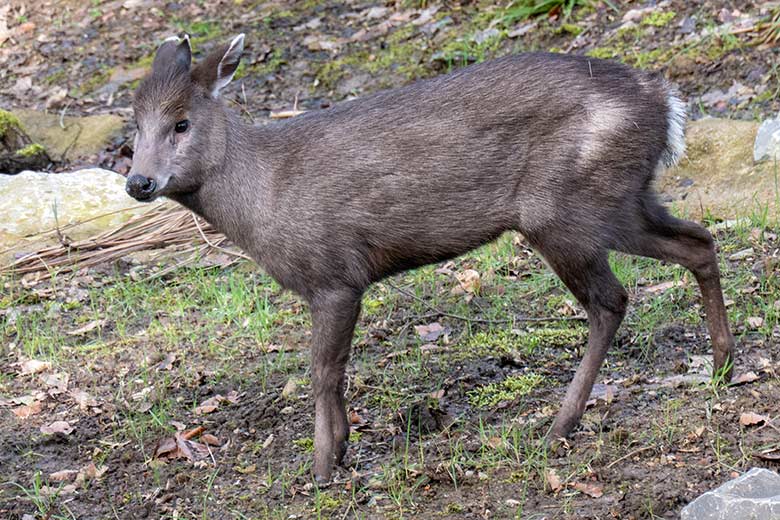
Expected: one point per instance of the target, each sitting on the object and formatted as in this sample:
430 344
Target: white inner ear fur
232 56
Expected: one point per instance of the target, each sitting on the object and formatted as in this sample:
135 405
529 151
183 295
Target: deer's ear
173 54
218 68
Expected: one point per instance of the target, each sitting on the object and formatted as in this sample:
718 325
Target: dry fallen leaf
209 405
57 382
772 454
91 471
210 439
33 366
290 388
755 322
247 470
167 363
25 411
355 418
590 489
553 480
181 447
752 419
65 475
468 282
495 442
92 325
57 427
747 377
58 490
662 287
83 399
430 332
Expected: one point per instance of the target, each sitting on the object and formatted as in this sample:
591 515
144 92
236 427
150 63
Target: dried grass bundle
158 228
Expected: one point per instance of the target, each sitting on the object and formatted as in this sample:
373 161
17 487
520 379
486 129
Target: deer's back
428 171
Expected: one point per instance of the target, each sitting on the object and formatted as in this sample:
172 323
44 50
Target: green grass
524 9
510 389
225 319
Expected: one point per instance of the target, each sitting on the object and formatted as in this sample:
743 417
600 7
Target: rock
483 36
767 144
82 136
17 151
742 255
726 180
752 496
34 202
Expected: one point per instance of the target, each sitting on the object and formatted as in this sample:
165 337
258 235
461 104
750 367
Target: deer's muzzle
140 188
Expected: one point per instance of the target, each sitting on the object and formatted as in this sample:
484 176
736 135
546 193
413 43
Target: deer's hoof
322 481
341 450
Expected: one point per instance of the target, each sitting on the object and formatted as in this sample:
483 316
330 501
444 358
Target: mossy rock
718 176
80 137
17 150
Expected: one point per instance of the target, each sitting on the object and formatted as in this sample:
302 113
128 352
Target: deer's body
563 149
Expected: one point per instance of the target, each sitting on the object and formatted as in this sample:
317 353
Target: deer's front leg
334 314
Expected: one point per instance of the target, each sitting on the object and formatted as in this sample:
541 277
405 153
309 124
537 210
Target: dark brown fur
560 148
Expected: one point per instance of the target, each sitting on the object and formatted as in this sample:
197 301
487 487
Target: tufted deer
563 149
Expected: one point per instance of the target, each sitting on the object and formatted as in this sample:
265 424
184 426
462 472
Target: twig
62 114
215 246
193 433
440 312
628 455
285 114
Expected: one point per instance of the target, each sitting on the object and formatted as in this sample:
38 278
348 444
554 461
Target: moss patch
305 444
658 18
7 121
505 341
31 150
510 389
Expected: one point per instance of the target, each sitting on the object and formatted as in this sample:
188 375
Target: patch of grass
44 502
271 65
523 9
55 77
200 30
95 81
510 389
658 18
604 53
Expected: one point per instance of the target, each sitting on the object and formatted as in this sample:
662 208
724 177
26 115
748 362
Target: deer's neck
234 196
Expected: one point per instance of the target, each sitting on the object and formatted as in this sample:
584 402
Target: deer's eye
182 126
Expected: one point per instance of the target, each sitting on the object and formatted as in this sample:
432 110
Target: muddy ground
450 387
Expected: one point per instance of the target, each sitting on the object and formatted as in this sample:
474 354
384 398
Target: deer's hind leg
690 245
588 276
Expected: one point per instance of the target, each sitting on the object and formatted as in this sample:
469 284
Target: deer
563 149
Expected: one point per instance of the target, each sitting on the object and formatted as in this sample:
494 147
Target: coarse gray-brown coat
563 149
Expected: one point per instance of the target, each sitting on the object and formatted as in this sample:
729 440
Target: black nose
140 187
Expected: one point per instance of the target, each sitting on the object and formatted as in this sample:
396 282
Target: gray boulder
752 496
767 145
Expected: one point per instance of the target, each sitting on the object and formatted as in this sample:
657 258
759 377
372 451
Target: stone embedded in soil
80 137
767 145
33 202
754 495
726 180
